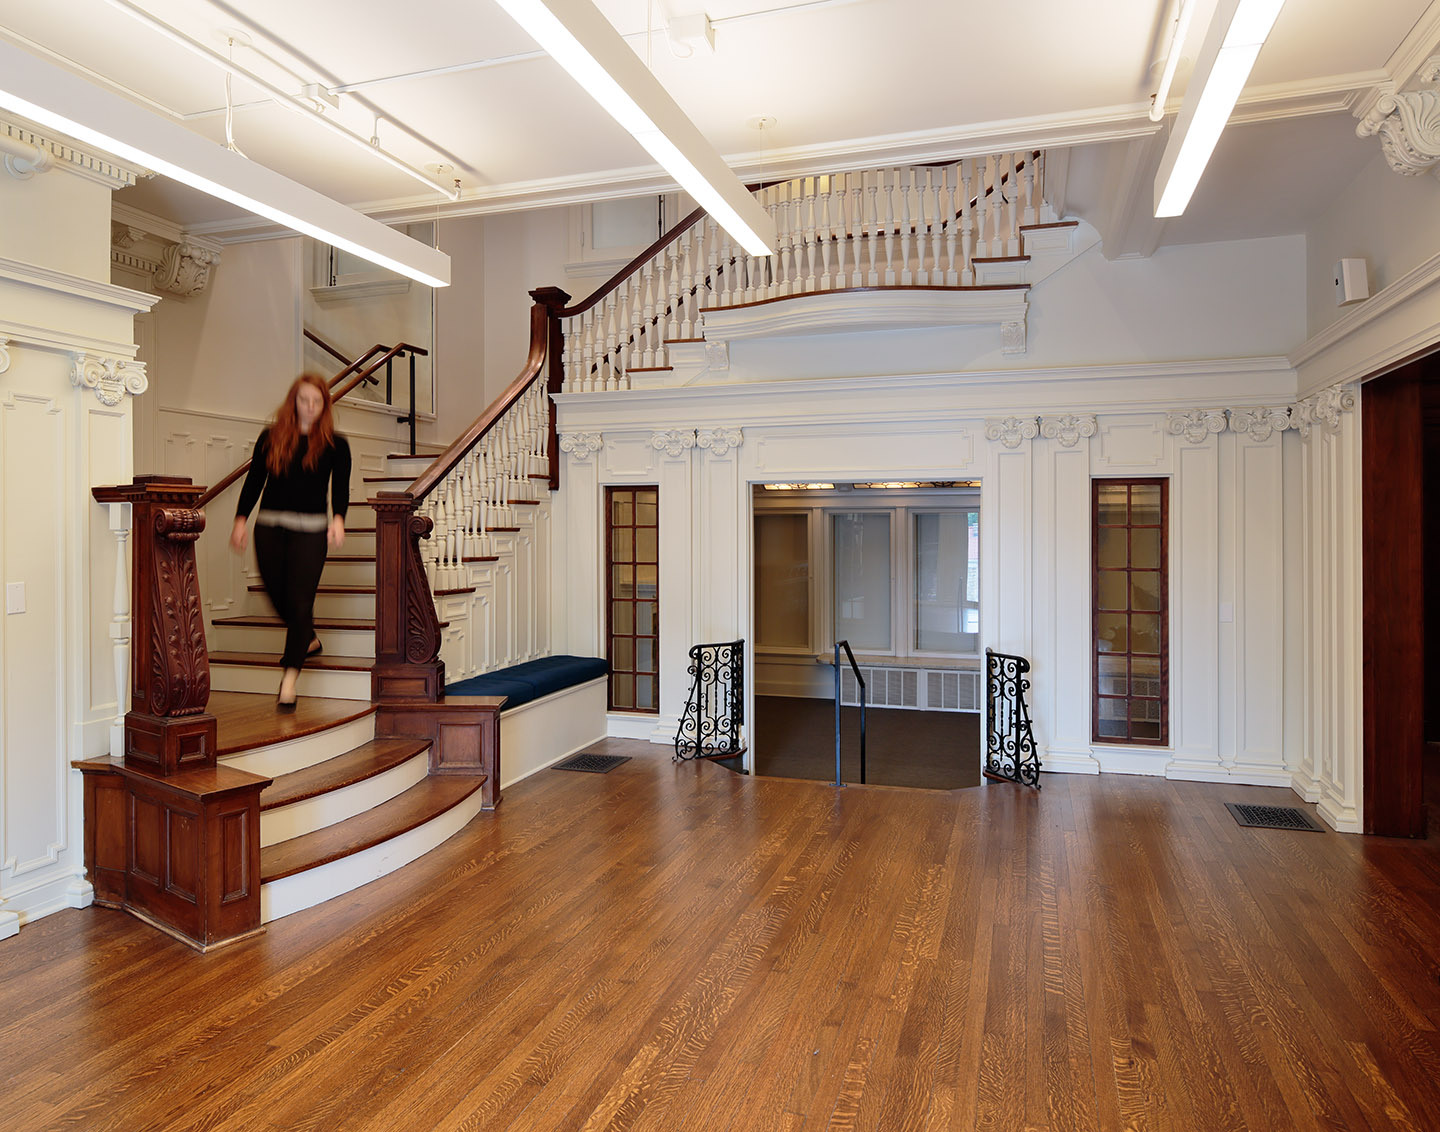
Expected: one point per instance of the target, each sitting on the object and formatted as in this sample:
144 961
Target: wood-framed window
1130 611
632 593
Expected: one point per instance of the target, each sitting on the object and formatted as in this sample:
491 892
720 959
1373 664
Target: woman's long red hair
285 433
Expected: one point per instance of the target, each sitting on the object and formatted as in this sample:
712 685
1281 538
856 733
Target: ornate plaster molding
1195 425
1012 336
719 441
1069 428
581 445
1010 431
4 354
1323 410
53 153
673 441
110 378
1260 423
1408 125
184 268
717 355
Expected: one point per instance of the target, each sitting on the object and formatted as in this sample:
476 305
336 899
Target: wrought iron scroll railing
427 532
1010 753
859 683
931 226
710 727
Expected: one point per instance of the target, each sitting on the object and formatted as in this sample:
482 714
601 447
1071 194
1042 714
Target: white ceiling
847 81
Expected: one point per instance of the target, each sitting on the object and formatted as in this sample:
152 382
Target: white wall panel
1194 611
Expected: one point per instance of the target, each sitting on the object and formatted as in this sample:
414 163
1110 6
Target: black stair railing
860 683
710 726
1010 754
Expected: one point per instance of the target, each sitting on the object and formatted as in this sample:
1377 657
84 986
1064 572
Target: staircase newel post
545 326
407 630
167 728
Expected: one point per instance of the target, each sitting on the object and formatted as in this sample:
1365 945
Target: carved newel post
167 728
407 631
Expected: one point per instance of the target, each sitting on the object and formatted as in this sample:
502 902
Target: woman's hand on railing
335 536
238 535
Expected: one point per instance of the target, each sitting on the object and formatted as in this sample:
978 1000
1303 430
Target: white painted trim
855 311
24 903
305 750
309 814
63 283
539 734
629 725
314 886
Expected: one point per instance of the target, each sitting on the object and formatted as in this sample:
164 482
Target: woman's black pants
290 563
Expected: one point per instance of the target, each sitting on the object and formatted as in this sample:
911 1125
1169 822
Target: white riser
313 886
325 684
349 573
362 543
285 822
326 605
307 750
265 638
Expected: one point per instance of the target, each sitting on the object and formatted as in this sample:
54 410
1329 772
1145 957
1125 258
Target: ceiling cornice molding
1305 99
1415 48
91 164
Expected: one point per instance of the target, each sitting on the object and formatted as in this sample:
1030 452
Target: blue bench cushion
522 683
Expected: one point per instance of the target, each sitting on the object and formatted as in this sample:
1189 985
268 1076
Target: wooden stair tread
1000 259
451 592
411 455
268 621
324 661
539 475
524 502
245 720
325 588
502 528
481 558
387 479
349 558
365 761
421 803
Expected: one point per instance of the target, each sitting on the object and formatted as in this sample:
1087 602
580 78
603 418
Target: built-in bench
554 706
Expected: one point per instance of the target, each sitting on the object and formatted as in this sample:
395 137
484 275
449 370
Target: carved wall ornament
179 661
1010 431
111 378
1195 425
717 355
4 354
719 441
185 269
673 441
1429 72
1012 336
1324 410
581 445
1260 423
1408 125
1068 428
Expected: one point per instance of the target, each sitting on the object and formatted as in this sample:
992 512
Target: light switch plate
14 597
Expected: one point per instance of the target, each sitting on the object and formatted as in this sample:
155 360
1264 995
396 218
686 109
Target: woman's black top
297 488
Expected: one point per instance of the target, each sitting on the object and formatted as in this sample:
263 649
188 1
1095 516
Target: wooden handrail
540 315
324 345
633 266
361 375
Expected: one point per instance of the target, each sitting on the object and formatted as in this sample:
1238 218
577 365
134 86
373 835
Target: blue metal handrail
860 680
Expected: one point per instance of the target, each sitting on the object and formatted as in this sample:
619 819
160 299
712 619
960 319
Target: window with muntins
1130 611
632 555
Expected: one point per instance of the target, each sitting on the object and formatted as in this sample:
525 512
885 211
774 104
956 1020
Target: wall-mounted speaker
1352 282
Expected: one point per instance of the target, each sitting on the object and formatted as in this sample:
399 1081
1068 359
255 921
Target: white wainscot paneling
1194 612
1131 447
454 637
935 452
1259 614
628 457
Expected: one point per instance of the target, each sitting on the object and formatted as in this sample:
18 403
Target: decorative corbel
1012 336
4 354
1195 425
719 441
1068 428
673 441
1408 125
185 269
1010 431
111 378
1260 424
1325 410
581 445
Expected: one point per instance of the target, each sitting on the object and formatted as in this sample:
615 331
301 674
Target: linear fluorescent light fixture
56 99
578 37
1237 32
1172 57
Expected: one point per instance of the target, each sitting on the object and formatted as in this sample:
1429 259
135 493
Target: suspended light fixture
1237 31
58 100
578 37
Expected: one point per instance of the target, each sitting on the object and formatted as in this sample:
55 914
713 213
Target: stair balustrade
714 713
931 226
860 683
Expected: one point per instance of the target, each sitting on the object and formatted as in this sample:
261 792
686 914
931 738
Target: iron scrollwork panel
1010 752
711 723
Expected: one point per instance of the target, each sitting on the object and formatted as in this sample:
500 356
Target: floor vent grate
1272 817
595 764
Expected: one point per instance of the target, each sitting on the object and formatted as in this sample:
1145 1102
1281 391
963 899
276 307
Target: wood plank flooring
675 947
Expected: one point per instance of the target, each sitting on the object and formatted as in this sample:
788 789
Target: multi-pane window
1130 611
947 582
632 553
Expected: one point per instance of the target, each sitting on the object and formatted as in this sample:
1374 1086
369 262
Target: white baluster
983 167
997 208
967 220
873 279
633 343
672 280
687 286
889 200
786 237
1012 209
906 225
841 228
808 234
948 210
645 329
935 198
120 523
824 230
857 223
1032 214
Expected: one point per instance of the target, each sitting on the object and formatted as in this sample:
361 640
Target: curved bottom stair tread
365 761
315 867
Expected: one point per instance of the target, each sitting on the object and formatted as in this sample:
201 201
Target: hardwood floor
676 947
